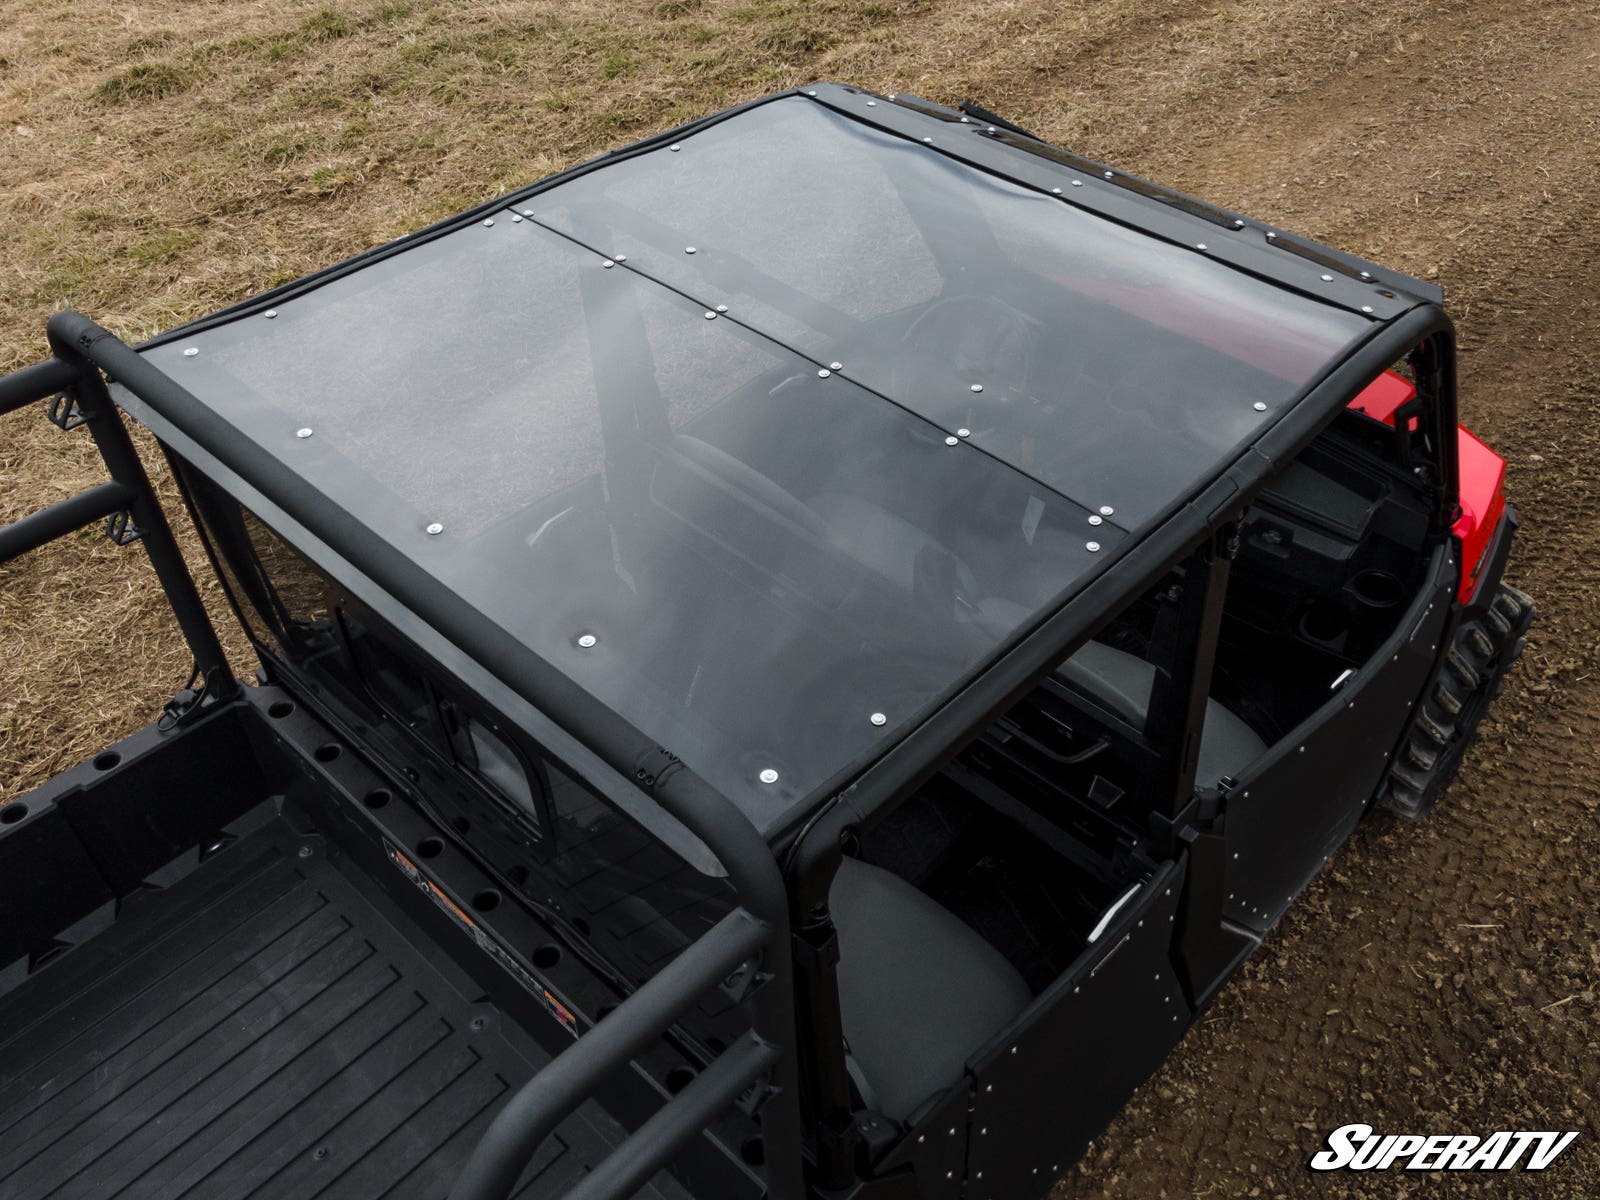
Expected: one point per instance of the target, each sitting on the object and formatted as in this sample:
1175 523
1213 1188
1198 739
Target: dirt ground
163 158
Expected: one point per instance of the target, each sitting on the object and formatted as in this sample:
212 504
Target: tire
1474 670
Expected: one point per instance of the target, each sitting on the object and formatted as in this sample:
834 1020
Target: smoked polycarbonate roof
768 437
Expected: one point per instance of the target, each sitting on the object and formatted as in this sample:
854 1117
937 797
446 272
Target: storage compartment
1330 556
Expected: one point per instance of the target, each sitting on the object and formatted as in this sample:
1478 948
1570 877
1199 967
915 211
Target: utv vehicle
795 658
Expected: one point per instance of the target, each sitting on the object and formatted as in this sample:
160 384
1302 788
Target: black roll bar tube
61 518
620 1176
129 490
31 384
549 1097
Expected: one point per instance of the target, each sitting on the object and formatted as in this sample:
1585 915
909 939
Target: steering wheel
978 339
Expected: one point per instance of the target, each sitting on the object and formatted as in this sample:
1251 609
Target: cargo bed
208 993
261 1028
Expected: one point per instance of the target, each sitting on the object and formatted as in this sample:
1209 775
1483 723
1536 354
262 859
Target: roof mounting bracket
64 411
983 114
120 528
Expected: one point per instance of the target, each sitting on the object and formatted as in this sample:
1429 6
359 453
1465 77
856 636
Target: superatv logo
1358 1148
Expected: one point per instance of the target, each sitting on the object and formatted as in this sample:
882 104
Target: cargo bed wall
73 849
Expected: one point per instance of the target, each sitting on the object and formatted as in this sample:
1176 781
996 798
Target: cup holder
1376 589
1323 623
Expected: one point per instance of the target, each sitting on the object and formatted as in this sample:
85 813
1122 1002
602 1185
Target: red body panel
1482 476
1483 503
1383 395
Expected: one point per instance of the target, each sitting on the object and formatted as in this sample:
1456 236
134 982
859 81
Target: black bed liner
262 1027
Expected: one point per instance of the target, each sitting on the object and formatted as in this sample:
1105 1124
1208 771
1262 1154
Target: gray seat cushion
1122 682
873 535
919 991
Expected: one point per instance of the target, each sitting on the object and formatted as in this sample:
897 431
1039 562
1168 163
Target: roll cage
788 877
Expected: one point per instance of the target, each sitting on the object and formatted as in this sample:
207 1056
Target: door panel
1051 1082
1303 798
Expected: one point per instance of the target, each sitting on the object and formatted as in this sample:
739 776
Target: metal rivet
527 212
1199 245
1091 547
710 316
1271 236
1077 183
1096 520
1259 406
270 313
966 120
303 433
878 719
1366 275
811 93
872 104
928 141
607 263
768 775
823 373
722 308
190 352
1013 1049
990 1088
1327 279
1238 223
688 249
1106 510
516 218
620 257
1109 174
921 1138
952 441
1366 308
436 528
963 432
587 640
836 366
977 387
488 221
674 147
1055 191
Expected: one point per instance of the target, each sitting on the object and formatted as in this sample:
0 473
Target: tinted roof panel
1114 367
749 559
769 440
